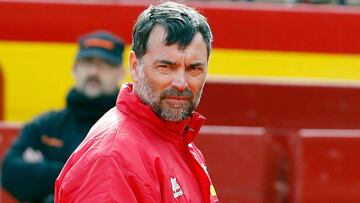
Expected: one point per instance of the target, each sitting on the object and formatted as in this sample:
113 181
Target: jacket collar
180 132
89 109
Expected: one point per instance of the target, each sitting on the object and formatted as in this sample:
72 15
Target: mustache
175 92
93 79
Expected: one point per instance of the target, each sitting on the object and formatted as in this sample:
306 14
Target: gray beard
146 92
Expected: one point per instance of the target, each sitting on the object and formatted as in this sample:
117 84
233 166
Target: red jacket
131 155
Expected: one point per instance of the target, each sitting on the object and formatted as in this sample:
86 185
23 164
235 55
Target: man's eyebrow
165 62
197 64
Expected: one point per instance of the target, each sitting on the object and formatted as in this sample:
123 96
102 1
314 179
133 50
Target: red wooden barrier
246 166
8 133
326 165
245 163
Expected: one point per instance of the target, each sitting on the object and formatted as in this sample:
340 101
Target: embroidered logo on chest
177 191
52 141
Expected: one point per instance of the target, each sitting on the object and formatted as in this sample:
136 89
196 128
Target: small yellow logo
212 190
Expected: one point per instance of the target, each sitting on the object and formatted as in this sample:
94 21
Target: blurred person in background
142 150
34 161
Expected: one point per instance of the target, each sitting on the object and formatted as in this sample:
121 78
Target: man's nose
94 69
180 80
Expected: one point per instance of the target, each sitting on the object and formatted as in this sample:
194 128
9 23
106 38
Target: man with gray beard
142 149
35 159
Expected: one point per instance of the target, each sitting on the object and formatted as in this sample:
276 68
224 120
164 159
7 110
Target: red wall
281 106
304 28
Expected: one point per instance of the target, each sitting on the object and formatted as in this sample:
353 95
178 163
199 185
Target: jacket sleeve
102 180
29 181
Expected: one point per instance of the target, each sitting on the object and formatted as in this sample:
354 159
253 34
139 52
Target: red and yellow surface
252 42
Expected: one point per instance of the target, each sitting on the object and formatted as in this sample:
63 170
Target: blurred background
282 99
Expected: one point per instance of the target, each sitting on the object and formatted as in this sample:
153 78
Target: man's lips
177 101
177 97
93 82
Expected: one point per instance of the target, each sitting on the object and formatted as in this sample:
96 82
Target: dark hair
180 22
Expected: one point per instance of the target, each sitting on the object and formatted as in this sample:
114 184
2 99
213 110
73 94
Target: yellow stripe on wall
270 64
38 75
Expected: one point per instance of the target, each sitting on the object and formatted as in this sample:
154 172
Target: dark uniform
56 134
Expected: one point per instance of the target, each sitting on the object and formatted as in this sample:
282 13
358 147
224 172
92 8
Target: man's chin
174 114
92 93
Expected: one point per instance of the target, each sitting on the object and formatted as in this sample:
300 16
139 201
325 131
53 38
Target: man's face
168 78
94 76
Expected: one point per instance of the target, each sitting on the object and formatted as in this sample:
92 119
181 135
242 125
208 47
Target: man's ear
134 66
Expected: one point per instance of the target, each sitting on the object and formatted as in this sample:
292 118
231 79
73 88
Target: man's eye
196 69
164 68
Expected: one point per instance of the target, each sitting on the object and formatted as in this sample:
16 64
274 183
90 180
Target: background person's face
171 79
95 77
